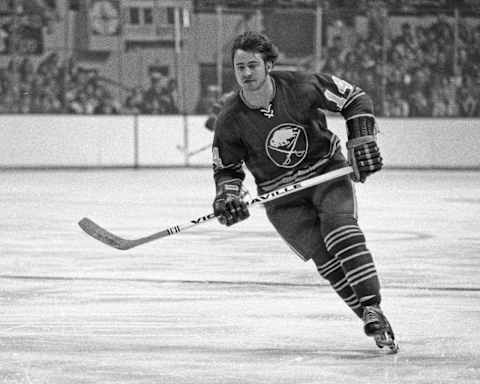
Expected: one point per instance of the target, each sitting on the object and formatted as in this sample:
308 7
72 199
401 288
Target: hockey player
272 126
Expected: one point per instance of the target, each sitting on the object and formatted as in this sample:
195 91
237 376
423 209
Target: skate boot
377 326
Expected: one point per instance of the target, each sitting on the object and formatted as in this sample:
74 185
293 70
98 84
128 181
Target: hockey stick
108 238
194 152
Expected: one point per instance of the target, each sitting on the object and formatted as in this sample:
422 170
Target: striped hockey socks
347 245
332 271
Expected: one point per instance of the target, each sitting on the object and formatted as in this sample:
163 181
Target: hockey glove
363 152
228 205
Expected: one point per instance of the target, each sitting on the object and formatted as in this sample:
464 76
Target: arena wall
60 141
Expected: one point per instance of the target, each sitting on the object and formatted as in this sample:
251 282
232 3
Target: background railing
416 58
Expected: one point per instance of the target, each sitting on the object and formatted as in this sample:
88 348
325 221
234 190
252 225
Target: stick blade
97 232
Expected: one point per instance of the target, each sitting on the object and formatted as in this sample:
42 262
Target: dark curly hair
255 42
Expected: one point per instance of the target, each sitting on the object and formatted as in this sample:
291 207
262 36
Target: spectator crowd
425 70
417 72
54 86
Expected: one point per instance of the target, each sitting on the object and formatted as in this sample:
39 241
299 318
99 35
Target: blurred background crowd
422 77
55 86
424 68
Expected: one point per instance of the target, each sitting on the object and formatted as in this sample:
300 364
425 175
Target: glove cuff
352 143
230 187
360 126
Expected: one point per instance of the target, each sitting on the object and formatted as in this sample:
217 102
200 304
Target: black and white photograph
239 191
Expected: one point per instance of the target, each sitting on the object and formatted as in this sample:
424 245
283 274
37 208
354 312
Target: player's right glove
229 206
363 152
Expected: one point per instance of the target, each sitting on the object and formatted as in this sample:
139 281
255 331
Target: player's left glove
229 206
363 152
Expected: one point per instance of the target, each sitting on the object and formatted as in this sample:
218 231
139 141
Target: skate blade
383 341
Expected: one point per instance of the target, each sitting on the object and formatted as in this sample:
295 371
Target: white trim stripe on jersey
353 96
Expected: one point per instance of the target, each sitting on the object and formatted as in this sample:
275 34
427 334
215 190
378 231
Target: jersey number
342 87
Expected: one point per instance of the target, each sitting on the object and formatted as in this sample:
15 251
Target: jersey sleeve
228 153
337 95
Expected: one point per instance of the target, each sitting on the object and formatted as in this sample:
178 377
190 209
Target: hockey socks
332 271
347 245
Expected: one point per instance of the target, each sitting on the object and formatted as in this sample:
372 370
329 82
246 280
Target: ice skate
377 326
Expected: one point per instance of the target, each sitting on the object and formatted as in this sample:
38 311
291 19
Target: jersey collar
242 97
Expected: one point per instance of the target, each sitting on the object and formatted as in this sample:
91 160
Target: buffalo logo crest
287 145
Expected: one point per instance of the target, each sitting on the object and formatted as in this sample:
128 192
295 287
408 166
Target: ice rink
229 305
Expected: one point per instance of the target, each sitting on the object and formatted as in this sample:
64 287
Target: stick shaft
301 185
195 151
108 238
265 198
198 150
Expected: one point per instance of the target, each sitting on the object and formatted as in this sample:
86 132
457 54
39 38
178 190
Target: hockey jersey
289 140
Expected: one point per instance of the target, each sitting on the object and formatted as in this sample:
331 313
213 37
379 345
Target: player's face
250 69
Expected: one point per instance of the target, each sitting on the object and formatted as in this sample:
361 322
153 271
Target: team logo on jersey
287 145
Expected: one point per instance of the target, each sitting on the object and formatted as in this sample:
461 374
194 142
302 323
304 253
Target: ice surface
229 305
